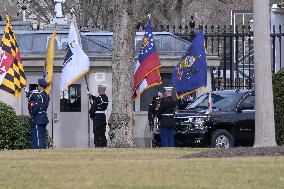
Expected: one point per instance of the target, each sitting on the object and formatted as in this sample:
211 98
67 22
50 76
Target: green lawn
135 168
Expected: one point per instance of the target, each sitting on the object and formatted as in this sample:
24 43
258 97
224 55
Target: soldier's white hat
102 85
168 88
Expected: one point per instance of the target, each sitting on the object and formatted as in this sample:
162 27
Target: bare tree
121 119
98 14
94 14
264 108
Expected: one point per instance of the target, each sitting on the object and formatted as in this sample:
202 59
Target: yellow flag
49 61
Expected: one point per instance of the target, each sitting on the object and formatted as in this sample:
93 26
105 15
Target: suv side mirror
245 106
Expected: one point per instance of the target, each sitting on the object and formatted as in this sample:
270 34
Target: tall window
32 87
249 100
70 99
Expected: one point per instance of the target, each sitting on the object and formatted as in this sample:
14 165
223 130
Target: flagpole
88 92
52 99
52 119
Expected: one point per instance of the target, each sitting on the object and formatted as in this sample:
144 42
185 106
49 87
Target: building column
264 109
212 62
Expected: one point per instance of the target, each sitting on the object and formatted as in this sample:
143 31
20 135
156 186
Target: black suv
230 124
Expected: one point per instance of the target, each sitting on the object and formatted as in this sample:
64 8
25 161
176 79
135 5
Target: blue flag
190 73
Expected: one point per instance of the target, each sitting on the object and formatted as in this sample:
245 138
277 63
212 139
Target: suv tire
221 138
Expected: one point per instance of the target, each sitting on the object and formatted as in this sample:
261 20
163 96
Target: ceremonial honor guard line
68 110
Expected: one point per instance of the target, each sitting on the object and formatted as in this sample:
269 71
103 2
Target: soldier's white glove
26 90
88 93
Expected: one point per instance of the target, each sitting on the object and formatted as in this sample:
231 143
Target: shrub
14 130
23 140
278 93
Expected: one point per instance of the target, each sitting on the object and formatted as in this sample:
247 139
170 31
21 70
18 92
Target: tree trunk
177 13
121 120
264 110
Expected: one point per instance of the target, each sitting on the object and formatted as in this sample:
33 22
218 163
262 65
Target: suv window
249 99
219 101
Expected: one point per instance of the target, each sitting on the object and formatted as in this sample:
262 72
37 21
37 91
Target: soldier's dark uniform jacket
97 113
166 111
99 105
38 104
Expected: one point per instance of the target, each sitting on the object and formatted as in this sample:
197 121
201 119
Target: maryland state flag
190 73
12 75
147 73
49 61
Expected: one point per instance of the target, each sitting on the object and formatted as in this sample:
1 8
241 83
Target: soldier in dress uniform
38 104
152 111
165 114
98 114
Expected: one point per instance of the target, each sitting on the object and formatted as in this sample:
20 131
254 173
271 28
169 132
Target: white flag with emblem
76 63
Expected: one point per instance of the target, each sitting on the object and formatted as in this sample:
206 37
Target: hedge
278 95
14 130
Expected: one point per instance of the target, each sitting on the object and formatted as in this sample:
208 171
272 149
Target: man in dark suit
165 114
98 114
38 104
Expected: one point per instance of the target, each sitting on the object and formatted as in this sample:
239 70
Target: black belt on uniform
167 114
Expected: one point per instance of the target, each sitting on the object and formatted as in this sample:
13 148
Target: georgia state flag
147 72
